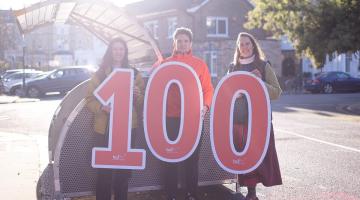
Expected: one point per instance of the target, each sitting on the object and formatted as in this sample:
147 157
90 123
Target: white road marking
320 141
4 117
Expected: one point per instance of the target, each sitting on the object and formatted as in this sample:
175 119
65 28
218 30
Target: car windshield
41 75
322 75
342 75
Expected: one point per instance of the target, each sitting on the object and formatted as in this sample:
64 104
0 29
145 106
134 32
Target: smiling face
118 51
182 43
246 47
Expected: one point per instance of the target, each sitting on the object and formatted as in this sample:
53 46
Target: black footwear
191 197
251 197
237 196
171 198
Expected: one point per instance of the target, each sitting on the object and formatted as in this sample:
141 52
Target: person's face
246 47
118 53
182 43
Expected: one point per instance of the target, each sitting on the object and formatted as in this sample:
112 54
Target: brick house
215 25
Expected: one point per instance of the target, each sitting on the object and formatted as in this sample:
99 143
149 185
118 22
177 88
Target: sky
19 4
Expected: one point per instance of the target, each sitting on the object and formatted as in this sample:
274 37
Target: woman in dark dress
249 57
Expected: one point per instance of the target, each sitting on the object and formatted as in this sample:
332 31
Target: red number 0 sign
221 122
155 112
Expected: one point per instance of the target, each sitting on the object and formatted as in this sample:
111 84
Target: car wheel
33 92
12 91
18 91
328 88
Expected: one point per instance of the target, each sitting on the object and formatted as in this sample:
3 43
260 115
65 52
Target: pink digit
155 112
222 122
116 90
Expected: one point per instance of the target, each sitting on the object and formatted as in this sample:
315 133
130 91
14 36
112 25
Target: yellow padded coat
101 117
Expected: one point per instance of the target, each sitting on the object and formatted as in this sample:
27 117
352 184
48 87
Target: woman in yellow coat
116 56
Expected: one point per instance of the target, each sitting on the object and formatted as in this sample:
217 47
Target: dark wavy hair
108 61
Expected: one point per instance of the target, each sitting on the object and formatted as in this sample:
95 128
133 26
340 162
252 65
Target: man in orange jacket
183 53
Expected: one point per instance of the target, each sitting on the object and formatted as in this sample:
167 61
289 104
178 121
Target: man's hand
204 111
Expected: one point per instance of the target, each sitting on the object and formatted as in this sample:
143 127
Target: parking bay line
320 141
4 117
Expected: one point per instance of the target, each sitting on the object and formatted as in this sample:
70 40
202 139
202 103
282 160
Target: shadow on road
52 97
321 104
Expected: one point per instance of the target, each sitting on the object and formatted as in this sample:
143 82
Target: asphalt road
317 140
318 144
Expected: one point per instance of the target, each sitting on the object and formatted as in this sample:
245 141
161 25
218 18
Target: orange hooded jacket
173 107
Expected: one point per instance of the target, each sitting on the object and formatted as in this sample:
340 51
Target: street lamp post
23 62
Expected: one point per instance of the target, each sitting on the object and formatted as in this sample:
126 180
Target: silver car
13 83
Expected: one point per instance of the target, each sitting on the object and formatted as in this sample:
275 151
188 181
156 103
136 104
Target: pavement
23 158
4 99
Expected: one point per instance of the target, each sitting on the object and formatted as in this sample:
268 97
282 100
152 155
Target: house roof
197 7
102 18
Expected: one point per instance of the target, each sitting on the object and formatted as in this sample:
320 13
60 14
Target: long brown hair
108 61
258 52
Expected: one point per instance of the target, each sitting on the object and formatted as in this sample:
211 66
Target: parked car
60 80
12 71
329 82
13 83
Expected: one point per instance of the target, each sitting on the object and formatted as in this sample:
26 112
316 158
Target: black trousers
111 179
190 164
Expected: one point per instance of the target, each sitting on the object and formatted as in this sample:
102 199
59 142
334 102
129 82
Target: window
57 74
152 27
211 60
29 75
172 24
342 76
71 72
217 26
16 77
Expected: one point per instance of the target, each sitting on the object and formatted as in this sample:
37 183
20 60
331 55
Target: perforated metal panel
67 105
75 171
209 171
77 177
45 185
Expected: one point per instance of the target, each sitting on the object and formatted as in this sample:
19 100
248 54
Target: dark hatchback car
60 80
329 82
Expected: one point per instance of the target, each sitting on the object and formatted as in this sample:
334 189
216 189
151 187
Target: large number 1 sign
116 90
